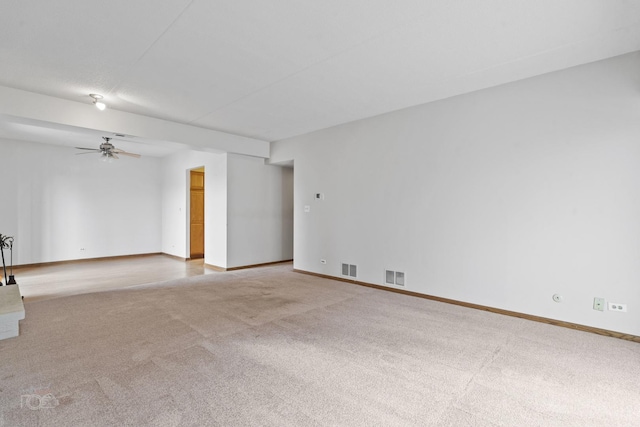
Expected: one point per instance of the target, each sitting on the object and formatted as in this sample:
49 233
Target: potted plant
6 242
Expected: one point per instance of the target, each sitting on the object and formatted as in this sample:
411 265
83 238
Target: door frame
188 210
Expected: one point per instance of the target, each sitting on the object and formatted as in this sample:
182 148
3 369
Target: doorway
196 213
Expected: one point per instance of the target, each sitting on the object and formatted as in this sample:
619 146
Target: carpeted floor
271 347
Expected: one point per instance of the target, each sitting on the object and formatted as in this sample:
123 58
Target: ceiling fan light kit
97 101
108 158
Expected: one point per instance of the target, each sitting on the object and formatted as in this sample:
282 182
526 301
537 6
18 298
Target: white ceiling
275 69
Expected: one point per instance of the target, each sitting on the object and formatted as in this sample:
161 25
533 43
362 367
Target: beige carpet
271 347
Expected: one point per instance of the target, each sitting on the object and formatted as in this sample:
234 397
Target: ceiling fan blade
89 152
114 156
124 153
82 148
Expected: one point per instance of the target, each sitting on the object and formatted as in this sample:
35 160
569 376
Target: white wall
502 197
260 212
175 204
55 203
248 208
215 208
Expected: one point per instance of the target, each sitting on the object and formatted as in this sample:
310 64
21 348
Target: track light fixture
97 101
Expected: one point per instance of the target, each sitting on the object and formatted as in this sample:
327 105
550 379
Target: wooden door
197 214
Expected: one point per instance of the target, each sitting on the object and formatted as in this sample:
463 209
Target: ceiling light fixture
96 101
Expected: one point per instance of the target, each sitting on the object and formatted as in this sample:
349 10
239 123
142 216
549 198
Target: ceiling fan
107 150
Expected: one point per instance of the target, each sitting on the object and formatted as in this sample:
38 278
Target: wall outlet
598 304
615 306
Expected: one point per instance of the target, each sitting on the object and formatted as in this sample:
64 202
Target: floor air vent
349 270
393 278
345 269
390 277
